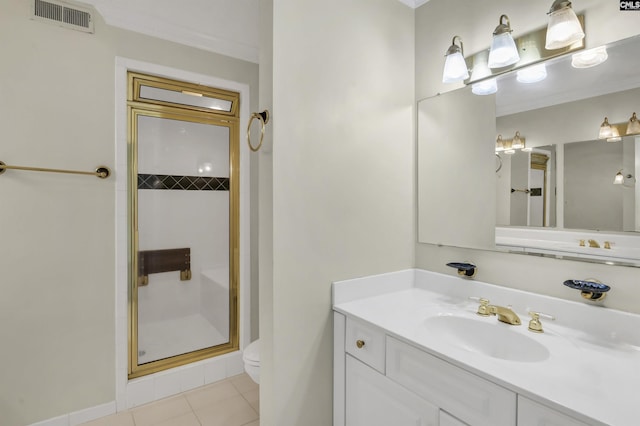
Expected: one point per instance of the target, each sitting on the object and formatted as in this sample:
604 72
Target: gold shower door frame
137 107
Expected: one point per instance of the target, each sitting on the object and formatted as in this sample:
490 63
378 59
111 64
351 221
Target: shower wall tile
183 183
140 392
192 377
235 365
167 384
215 370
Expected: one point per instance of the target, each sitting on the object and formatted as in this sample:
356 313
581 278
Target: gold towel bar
264 119
102 172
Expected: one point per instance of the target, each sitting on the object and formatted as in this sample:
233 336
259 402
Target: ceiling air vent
63 14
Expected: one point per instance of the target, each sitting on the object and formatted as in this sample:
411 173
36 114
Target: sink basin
486 336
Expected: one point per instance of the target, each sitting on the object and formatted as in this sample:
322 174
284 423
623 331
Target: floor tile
159 411
188 419
211 394
234 411
243 383
253 398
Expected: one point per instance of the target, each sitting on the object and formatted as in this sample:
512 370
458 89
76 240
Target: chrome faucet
504 314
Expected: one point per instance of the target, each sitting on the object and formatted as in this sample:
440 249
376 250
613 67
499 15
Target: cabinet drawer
447 419
531 413
468 397
366 343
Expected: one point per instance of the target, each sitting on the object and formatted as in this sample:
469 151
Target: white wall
474 22
57 258
343 181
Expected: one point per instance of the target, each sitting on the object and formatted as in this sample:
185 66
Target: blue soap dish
591 290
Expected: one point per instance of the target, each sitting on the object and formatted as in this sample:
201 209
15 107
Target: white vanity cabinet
382 381
530 413
373 399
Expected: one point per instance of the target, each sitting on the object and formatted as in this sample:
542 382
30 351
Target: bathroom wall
474 22
57 257
343 181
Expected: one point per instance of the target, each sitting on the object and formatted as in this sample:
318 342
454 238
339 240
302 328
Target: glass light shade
510 151
517 142
605 130
455 68
634 125
532 74
615 135
589 58
486 87
619 179
503 51
499 144
480 71
563 29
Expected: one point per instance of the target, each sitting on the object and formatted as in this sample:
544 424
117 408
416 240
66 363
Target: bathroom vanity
410 349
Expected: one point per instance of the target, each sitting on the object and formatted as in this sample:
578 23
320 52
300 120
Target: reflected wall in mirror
591 198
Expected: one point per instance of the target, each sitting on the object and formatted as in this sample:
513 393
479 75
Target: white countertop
593 368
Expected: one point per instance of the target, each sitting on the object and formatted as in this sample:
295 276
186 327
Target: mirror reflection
526 188
580 136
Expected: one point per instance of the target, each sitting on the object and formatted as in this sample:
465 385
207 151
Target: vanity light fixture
626 180
633 127
503 49
589 58
605 130
517 142
564 28
455 67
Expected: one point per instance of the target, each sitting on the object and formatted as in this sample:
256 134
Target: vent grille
63 14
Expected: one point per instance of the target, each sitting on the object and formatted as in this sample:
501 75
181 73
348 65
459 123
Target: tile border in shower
182 183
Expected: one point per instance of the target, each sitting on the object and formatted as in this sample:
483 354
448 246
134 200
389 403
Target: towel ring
264 119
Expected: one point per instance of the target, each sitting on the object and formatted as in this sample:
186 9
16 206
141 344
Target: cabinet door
374 400
531 413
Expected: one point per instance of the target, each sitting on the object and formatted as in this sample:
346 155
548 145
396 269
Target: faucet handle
483 309
535 325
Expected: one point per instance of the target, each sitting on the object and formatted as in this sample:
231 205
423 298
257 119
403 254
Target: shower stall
183 222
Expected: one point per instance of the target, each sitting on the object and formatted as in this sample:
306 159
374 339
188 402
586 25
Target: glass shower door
184 230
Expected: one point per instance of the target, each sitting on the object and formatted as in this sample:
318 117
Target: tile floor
231 402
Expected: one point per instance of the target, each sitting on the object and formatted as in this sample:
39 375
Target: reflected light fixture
455 67
615 135
626 180
503 49
634 125
530 55
564 28
605 130
480 71
619 179
589 58
532 74
517 142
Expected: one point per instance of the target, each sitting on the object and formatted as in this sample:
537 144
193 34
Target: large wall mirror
556 196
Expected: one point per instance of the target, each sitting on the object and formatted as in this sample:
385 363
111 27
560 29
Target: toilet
251 358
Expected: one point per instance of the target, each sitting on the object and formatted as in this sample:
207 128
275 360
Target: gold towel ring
264 119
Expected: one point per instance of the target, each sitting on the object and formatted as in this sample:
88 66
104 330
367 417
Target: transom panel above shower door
183 215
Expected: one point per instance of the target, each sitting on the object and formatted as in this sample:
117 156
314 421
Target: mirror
569 198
